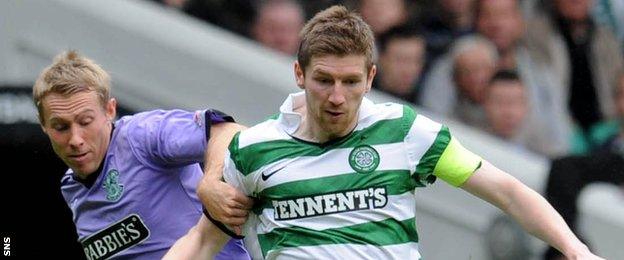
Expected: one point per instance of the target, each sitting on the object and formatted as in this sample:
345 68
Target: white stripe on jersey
331 163
421 136
264 132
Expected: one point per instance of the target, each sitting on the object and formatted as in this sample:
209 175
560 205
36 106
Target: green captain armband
456 164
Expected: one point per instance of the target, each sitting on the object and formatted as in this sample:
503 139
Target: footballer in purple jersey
131 184
142 197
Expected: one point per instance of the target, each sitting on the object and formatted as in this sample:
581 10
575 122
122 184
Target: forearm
220 137
203 241
540 219
526 206
224 202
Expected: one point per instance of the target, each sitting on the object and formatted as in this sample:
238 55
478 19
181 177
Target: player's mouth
334 114
78 158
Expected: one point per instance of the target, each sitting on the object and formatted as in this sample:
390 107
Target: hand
224 202
584 254
590 256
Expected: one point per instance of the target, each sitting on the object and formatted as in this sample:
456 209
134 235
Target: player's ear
111 109
371 75
299 76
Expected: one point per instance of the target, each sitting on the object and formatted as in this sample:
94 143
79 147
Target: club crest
364 159
112 186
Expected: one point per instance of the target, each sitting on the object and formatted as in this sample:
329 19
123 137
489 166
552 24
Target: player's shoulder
144 124
373 114
150 117
267 131
390 110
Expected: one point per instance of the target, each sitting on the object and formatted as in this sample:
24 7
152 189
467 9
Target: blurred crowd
540 74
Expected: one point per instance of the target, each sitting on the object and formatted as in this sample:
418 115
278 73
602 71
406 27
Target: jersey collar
290 120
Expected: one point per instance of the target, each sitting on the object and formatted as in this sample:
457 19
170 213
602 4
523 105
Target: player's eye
60 127
86 121
324 81
352 81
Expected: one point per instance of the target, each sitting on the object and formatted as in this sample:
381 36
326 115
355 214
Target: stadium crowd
442 55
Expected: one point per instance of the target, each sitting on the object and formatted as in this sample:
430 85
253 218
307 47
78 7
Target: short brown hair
68 74
336 31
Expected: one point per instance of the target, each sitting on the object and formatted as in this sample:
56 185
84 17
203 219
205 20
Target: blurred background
534 86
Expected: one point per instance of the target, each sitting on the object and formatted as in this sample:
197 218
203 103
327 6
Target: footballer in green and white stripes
353 195
333 175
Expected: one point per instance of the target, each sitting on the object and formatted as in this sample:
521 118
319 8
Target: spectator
474 63
585 57
401 59
382 15
501 22
277 25
506 106
569 175
448 21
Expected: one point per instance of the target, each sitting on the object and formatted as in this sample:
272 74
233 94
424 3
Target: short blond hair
336 31
68 74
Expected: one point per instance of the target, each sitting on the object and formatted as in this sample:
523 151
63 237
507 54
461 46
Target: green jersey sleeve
232 169
434 153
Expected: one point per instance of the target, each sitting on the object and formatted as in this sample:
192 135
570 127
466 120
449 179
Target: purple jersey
143 198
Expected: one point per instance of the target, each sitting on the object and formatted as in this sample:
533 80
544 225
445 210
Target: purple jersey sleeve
172 137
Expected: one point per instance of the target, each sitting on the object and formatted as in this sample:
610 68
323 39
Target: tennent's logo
330 203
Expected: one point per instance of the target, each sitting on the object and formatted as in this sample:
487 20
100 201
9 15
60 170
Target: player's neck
310 130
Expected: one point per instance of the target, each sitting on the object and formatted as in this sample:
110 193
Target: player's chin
84 169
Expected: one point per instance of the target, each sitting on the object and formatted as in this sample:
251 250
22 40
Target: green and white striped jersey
349 198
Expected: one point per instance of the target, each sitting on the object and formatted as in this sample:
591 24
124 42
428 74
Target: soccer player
131 183
333 174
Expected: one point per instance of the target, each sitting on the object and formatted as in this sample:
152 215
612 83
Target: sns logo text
7 246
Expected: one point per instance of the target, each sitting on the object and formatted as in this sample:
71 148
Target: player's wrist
227 230
576 251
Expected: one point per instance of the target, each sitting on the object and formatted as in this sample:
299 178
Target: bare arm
527 207
203 241
224 203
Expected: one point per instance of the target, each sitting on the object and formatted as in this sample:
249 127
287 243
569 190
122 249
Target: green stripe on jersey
380 233
260 154
428 161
